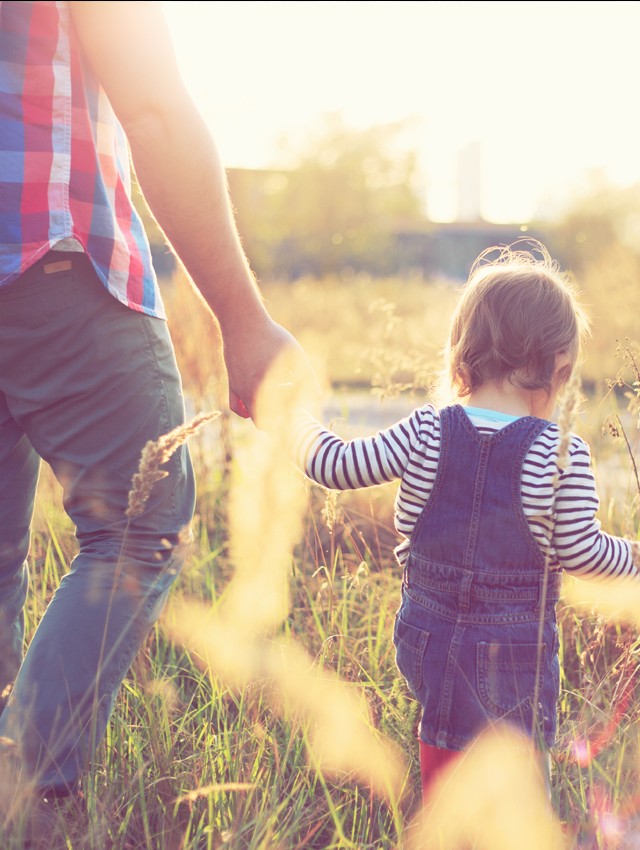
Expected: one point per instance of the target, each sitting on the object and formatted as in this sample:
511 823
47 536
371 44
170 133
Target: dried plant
154 455
332 512
568 407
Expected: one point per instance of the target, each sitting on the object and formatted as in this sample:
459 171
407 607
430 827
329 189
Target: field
266 710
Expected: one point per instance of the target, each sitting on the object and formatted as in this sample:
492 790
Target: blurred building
448 249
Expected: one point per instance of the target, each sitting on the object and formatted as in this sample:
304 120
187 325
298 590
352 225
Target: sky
546 93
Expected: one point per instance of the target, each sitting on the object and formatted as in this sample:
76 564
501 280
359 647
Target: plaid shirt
64 159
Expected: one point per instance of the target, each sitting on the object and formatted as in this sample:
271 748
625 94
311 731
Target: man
87 370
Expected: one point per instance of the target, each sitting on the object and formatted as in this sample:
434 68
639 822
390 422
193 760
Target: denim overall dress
474 594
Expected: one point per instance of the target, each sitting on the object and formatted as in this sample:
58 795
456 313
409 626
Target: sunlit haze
548 90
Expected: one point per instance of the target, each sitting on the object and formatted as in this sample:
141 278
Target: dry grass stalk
567 410
331 512
154 455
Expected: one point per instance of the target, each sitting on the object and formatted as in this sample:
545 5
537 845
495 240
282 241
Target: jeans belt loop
544 594
464 592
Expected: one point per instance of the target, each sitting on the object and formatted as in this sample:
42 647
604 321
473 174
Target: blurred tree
601 216
335 207
598 240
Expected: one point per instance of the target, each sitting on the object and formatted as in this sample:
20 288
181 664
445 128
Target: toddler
494 503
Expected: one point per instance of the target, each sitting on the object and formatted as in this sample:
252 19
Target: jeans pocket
509 675
45 292
410 643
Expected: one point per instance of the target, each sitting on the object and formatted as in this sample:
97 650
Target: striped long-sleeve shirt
560 504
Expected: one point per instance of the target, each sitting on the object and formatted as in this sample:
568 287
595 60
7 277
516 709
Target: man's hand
268 370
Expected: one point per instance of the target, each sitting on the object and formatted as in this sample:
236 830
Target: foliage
599 218
598 241
331 207
384 334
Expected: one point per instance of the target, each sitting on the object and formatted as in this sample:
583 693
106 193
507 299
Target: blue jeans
85 382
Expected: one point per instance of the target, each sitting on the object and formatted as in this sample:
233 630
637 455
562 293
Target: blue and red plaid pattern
64 158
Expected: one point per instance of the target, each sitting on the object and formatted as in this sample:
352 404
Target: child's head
517 320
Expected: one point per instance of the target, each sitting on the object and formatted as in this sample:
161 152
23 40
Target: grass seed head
154 455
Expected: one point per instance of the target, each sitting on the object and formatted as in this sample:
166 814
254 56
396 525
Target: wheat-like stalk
154 455
567 410
331 512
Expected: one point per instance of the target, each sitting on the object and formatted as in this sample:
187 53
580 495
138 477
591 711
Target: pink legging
432 761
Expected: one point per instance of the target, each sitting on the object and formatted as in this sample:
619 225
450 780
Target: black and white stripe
565 527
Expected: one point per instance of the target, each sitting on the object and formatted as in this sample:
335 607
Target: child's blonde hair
516 312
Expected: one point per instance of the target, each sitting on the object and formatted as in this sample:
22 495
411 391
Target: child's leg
432 761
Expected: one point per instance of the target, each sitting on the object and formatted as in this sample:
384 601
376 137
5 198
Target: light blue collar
483 413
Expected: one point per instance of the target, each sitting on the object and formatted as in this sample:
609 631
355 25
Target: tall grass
266 711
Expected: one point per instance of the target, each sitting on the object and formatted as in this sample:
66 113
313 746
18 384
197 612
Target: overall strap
474 518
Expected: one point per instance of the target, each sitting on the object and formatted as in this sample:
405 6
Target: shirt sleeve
339 464
581 546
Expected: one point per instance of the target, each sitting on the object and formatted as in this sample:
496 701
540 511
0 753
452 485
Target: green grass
191 761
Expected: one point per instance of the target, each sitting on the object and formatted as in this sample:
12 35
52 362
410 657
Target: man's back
64 159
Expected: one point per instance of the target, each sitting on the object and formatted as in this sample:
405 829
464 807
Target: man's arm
129 48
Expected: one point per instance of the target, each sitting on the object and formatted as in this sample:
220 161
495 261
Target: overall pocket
507 675
410 643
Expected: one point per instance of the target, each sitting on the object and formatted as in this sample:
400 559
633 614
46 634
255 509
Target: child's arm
339 464
581 546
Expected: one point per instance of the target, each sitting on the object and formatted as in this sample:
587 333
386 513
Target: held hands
269 373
